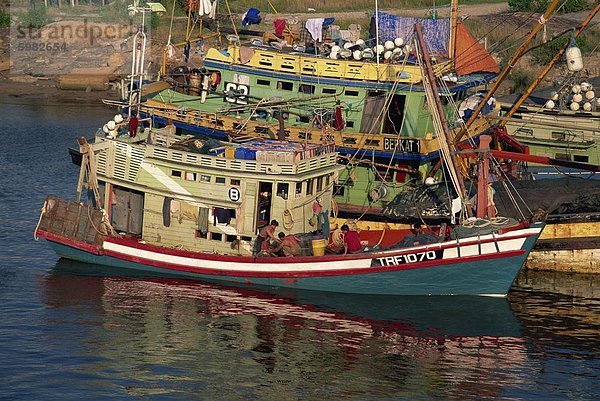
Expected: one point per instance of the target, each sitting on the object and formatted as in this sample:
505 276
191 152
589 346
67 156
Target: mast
547 69
452 164
541 22
453 24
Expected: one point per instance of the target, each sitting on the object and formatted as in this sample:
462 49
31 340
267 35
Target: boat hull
474 273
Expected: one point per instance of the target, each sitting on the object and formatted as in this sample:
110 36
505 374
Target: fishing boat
163 204
365 94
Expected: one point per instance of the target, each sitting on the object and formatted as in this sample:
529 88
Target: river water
72 331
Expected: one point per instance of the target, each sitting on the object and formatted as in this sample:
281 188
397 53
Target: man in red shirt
133 125
351 240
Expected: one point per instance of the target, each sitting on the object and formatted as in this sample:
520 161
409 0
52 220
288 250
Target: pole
508 68
547 69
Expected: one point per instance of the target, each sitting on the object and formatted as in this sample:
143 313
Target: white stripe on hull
505 243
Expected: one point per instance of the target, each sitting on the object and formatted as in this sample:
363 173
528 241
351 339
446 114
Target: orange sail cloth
471 56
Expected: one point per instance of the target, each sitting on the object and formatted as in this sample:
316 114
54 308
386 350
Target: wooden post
483 176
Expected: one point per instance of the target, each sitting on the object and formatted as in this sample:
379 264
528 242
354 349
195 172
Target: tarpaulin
435 31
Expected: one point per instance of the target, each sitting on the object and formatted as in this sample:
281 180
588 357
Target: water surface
72 331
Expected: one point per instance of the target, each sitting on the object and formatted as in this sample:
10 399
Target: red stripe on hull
258 261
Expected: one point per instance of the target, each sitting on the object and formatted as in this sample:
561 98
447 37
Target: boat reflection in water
211 332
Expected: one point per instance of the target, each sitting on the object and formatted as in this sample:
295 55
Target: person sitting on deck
351 240
266 233
289 245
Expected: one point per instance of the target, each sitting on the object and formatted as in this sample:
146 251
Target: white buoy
587 106
111 134
333 55
585 86
110 125
367 54
105 129
378 49
554 96
574 59
550 104
387 55
360 42
357 55
577 97
335 49
589 95
574 106
397 50
429 181
408 48
598 102
576 88
345 53
118 118
398 42
389 45
348 45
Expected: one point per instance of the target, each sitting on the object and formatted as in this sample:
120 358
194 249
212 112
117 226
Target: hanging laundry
315 27
338 120
328 21
279 26
251 17
186 51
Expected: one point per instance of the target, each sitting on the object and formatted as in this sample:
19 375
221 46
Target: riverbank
44 91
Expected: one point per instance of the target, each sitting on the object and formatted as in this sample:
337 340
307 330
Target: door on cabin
263 211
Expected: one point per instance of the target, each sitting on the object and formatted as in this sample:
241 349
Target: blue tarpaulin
435 31
251 17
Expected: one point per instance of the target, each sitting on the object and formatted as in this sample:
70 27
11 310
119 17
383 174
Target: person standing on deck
266 233
133 125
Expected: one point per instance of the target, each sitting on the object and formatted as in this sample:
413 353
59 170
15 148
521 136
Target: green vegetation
4 18
539 6
586 43
34 18
521 79
286 6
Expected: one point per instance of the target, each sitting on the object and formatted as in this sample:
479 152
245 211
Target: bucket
318 247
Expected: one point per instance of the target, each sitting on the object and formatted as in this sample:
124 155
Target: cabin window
216 236
223 216
330 91
286 86
205 178
298 190
562 156
190 176
230 238
303 119
350 124
581 158
220 180
338 190
327 180
309 187
175 173
319 184
283 190
235 182
525 131
558 135
307 89
351 93
263 82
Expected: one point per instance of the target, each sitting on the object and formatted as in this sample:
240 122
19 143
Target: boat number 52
407 258
236 93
